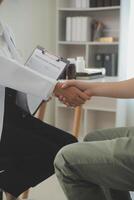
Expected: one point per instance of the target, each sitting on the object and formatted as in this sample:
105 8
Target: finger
80 101
69 104
84 96
61 98
77 101
67 84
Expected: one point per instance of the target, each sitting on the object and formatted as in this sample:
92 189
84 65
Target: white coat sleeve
21 78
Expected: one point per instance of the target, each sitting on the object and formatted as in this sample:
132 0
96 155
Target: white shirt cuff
49 89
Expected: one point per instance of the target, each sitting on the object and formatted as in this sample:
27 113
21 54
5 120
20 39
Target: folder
110 64
100 3
99 60
115 2
107 3
84 3
93 3
78 3
68 29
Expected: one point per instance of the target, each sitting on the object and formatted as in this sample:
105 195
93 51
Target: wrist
92 89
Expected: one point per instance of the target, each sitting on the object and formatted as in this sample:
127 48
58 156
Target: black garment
27 148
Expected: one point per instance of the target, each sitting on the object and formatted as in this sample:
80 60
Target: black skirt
27 149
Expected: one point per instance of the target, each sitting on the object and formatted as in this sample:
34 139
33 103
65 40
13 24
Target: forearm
122 89
21 78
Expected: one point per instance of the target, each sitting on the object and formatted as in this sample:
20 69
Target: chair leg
40 115
25 194
10 196
77 120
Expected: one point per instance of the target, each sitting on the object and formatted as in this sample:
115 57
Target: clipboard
36 102
59 62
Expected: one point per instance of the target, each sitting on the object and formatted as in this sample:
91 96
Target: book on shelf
91 73
108 61
78 28
68 29
85 4
82 3
96 3
86 28
74 27
89 76
78 3
107 3
79 33
93 3
88 3
110 64
99 60
100 3
115 2
95 70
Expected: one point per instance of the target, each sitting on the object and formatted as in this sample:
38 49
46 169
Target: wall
126 107
33 22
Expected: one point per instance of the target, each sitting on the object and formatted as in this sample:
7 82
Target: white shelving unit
90 9
99 112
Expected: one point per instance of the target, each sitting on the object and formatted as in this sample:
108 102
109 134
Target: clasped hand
70 95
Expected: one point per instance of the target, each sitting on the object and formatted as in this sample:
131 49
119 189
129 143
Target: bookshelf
88 43
90 9
110 16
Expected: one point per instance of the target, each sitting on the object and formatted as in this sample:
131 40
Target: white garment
27 102
15 75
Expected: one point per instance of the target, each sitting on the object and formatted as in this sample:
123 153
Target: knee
90 137
59 161
64 158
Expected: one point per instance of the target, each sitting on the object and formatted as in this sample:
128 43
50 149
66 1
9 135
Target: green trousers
100 168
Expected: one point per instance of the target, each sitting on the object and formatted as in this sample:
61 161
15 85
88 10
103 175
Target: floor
49 190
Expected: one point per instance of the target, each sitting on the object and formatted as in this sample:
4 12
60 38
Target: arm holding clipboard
51 67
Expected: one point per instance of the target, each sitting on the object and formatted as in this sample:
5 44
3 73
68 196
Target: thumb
67 84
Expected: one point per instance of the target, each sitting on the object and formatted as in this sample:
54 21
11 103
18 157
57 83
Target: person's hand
83 86
71 96
78 84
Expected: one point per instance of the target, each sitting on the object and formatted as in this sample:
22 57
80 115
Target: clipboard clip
54 57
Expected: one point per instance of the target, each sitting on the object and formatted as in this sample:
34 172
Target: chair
76 127
40 115
1 194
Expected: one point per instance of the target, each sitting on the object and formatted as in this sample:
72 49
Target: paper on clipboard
46 64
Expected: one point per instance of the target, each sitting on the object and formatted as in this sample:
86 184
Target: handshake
72 93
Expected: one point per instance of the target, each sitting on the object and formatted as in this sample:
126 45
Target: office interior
43 22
